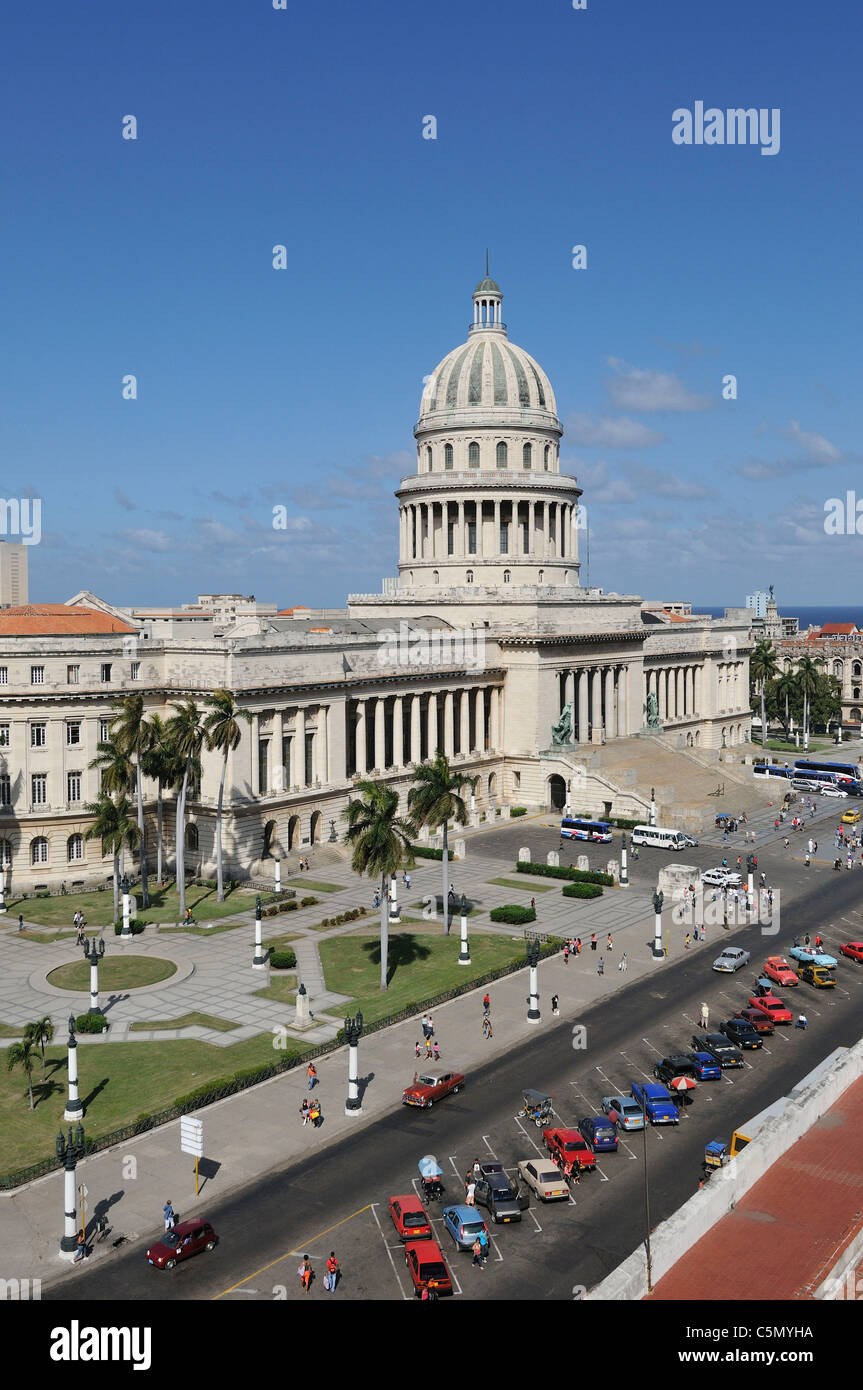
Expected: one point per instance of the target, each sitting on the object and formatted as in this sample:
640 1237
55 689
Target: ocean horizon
808 615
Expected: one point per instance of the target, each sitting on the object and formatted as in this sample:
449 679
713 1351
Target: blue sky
301 387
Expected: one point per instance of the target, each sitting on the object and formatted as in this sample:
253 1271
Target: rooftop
58 620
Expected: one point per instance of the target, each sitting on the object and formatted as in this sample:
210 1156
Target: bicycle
102 1230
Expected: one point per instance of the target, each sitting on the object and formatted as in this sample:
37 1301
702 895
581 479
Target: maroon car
185 1239
759 1018
431 1087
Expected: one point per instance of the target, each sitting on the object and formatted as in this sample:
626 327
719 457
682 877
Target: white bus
658 838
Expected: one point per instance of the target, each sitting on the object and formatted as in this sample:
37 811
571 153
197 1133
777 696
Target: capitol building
486 645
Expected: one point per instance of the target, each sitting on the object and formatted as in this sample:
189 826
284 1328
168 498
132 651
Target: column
416 740
569 689
531 527
494 719
610 722
360 759
662 709
622 701
431 726
300 745
278 773
464 721
696 690
414 528
461 536
398 732
448 727
480 719
256 738
596 701
380 734
322 752
564 523
582 706
495 549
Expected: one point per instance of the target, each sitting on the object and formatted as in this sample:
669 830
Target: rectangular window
504 538
4 675
4 735
450 538
38 735
309 774
471 538
106 671
5 790
37 675
73 787
72 674
73 733
136 670
39 788
264 765
104 730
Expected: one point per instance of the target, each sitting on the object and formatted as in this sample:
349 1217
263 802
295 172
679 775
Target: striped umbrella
683 1083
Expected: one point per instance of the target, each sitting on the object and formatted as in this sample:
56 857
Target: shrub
271 912
91 1022
582 890
513 914
325 922
290 906
283 960
136 926
307 902
42 895
564 871
517 811
426 852
497 810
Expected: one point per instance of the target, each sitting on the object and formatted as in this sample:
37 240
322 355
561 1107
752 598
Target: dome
488 286
487 373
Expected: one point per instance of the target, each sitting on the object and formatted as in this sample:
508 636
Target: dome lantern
487 299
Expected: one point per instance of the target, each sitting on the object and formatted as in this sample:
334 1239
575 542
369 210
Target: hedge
513 914
517 811
582 890
426 852
283 960
136 926
564 871
350 916
91 1022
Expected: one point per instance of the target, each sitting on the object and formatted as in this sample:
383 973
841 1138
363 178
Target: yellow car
850 817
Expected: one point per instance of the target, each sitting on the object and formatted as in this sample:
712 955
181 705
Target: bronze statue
561 732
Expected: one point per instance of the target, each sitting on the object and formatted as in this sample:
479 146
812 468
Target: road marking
452 1161
289 1253
535 1222
637 1068
652 1048
629 1150
488 1145
602 1175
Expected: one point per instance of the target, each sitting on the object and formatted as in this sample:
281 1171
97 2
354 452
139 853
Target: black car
670 1067
503 1200
726 1054
740 1031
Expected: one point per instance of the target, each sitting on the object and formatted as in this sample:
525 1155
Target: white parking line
535 1222
637 1067
652 1048
488 1145
492 1241
528 1135
629 1150
602 1175
454 1168
389 1252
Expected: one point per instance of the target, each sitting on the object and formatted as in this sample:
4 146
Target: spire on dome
487 299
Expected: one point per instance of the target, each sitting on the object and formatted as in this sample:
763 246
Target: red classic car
427 1267
569 1146
432 1086
185 1239
761 1021
853 950
772 1007
409 1218
778 970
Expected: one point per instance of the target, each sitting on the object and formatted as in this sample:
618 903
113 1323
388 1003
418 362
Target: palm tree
786 689
131 734
223 734
381 843
21 1055
41 1032
158 762
807 677
435 800
187 734
113 825
116 780
763 666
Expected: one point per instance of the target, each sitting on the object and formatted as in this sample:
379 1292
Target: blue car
599 1132
707 1068
655 1102
808 955
464 1224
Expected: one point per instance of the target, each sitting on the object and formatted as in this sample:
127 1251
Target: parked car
464 1224
779 971
825 790
427 1267
809 956
721 878
719 1046
679 1065
599 1132
731 959
185 1239
740 1031
655 1102
410 1218
432 1087
570 1147
853 950
817 975
689 841
623 1111
775 1008
850 817
503 1200
707 1068
544 1177
759 1021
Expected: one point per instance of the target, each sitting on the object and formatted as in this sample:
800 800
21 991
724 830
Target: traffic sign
192 1136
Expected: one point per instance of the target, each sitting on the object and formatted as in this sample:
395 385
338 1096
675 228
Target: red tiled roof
298 607
58 620
836 629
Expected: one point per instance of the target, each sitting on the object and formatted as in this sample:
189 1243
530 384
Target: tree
41 1032
763 666
163 765
117 775
224 734
786 689
21 1055
114 826
187 734
381 843
131 734
435 800
826 702
807 683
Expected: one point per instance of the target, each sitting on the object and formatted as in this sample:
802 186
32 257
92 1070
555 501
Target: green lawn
523 885
277 942
814 747
115 973
118 1083
282 987
420 965
202 931
7 1031
98 908
43 938
301 884
219 1025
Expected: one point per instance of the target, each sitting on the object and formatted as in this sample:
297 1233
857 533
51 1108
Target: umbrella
683 1083
429 1167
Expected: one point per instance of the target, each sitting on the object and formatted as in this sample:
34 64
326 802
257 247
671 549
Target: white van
658 838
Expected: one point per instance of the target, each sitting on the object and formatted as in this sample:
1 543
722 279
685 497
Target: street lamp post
74 1109
532 953
353 1031
464 953
277 875
652 815
259 960
93 952
395 916
624 869
69 1151
2 886
657 925
126 933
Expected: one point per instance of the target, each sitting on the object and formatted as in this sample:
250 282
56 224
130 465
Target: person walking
306 1273
554 1005
424 1024
429 1050
593 942
81 1247
483 1240
566 953
333 1274
533 903
170 1215
304 1111
486 1004
609 945
469 1194
704 1018
578 945
624 963
806 859
486 1026
477 1252
436 1051
431 1026
600 969
417 1052
20 921
687 941
312 1074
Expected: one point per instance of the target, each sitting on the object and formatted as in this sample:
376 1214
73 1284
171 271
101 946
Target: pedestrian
786 842
483 1240
429 1050
574 1174
554 1005
486 1027
566 953
81 1247
315 1114
806 859
609 945
425 1026
306 1273
20 921
593 942
814 846
407 881
578 945
687 941
533 903
477 1252
436 1051
469 1195
819 942
170 1215
806 939
703 932
600 969
431 1026
486 1004
624 963
304 1111
776 824
802 1021
312 1074
704 1019
451 891
417 1048
477 1170
333 1274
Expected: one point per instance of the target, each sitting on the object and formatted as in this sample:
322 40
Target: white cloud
609 433
640 388
151 540
815 446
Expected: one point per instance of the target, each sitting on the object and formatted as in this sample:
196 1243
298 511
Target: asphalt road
337 1200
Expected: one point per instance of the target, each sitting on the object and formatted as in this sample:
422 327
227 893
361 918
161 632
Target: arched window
435 577
6 853
837 669
39 850
75 848
507 576
542 576
545 456
501 454
447 456
191 836
856 669
470 576
473 455
429 458
527 455
855 693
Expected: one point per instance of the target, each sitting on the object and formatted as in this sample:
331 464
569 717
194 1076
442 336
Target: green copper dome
488 286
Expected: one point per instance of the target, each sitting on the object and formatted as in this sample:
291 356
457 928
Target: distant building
758 602
13 574
678 607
